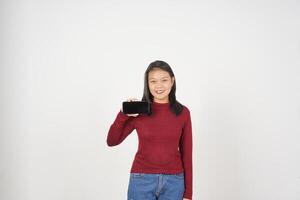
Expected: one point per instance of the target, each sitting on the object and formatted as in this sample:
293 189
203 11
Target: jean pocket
179 175
137 175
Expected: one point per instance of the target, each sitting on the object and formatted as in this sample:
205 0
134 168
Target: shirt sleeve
120 129
186 150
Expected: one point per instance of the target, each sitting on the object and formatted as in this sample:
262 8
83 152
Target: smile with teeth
159 91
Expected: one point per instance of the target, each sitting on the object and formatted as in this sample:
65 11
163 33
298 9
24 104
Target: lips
159 91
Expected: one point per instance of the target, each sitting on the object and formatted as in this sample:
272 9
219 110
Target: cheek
151 88
169 85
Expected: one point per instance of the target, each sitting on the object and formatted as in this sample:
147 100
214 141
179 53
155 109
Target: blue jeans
144 186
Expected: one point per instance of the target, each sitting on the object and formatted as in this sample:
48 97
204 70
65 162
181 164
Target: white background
66 66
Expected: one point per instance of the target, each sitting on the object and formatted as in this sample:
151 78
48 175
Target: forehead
158 74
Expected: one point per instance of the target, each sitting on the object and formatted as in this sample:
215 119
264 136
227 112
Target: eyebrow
161 78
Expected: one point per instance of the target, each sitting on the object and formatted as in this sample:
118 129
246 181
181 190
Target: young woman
162 168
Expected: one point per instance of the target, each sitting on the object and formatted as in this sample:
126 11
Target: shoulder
185 109
186 115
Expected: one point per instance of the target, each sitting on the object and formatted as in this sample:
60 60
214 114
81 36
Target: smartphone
134 107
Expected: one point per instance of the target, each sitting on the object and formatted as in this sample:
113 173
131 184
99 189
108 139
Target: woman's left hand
185 199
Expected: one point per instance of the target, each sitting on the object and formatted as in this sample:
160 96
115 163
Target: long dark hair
175 106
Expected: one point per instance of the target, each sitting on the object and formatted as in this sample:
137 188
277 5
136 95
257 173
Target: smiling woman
160 84
162 167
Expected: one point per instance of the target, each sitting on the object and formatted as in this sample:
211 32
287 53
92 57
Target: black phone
136 107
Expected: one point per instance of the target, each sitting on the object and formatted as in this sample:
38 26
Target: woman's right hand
131 99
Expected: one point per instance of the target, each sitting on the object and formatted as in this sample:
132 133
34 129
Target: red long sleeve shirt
165 141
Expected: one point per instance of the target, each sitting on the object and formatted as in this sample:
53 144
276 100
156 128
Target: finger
131 99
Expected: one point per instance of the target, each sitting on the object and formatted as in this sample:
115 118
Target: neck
160 105
166 100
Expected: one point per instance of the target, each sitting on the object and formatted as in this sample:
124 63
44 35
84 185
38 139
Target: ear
173 80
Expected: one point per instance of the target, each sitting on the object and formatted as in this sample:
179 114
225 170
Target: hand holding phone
133 107
129 100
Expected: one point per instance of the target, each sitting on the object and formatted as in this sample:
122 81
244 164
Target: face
160 84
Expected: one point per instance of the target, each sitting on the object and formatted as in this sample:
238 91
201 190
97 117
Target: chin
161 98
